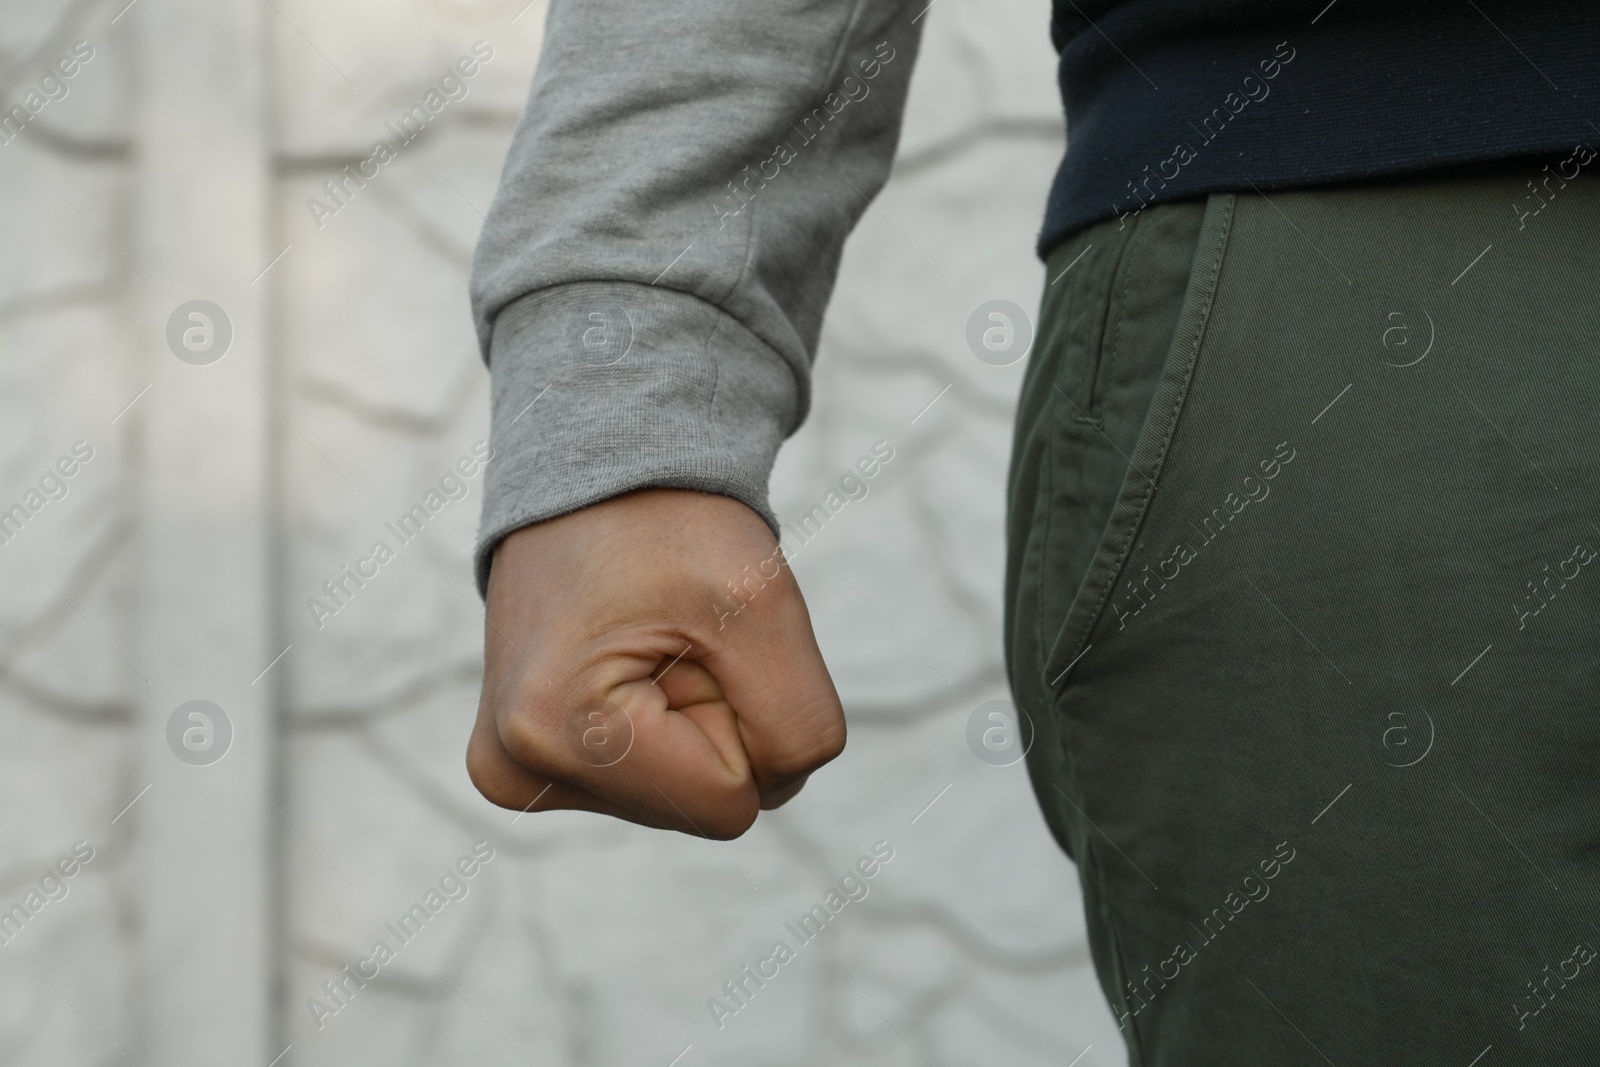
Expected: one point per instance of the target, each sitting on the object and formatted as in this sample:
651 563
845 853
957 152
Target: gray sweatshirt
650 282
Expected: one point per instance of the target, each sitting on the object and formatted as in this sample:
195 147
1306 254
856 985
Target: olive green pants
1304 603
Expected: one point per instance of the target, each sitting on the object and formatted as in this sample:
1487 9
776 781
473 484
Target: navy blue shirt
1170 99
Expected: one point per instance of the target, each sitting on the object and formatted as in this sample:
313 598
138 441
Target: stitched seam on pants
1046 425
1121 293
1078 638
1042 649
1090 414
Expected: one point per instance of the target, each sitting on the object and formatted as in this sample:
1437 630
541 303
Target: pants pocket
1103 463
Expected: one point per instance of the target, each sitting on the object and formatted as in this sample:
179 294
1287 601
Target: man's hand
623 674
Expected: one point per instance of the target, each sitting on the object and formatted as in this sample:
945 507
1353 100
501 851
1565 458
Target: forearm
651 280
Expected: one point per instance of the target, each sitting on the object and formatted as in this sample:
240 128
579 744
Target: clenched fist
650 657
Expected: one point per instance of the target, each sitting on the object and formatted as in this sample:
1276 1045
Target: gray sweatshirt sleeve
651 278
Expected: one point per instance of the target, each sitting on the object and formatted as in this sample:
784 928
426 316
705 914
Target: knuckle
822 742
830 740
533 723
528 734
489 775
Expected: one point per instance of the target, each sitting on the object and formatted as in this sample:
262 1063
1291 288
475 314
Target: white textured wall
180 560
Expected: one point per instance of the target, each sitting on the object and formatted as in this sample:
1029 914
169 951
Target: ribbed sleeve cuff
600 388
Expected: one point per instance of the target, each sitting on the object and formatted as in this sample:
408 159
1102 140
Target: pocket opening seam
1147 468
1093 393
1124 280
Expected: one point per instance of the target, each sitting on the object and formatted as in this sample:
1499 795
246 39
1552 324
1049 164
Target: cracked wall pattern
582 942
65 695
